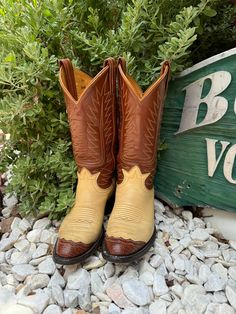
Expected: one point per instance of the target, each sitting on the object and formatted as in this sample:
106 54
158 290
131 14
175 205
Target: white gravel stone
94 262
6 296
10 200
2 257
215 283
42 223
34 235
109 270
52 309
15 223
22 245
137 292
156 261
57 295
159 206
37 302
47 266
57 280
17 309
231 295
41 250
174 307
159 286
96 283
219 297
80 279
7 243
232 272
37 261
46 236
147 277
24 225
71 298
11 280
20 258
199 234
220 270
22 271
224 309
116 294
204 273
232 244
37 281
114 309
158 306
187 215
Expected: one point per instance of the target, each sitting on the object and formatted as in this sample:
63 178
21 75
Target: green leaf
210 12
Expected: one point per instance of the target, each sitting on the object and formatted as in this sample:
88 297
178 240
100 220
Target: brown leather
140 120
68 248
92 118
121 247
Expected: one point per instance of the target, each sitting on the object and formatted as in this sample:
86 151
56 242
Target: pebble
232 244
22 245
109 270
93 262
21 271
232 272
71 298
34 235
24 225
42 223
116 294
20 258
37 281
96 283
41 250
17 309
37 302
215 283
159 286
57 295
231 295
47 266
46 236
52 309
57 280
137 292
79 279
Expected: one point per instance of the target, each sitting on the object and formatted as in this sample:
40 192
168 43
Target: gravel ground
190 270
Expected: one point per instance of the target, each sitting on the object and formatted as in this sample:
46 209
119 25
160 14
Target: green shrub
35 34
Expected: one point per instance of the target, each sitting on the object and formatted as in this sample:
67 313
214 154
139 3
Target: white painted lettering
229 164
211 154
216 105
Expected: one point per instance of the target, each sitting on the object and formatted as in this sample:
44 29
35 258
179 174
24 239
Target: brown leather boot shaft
140 120
90 104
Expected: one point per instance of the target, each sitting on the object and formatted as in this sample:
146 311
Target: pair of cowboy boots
116 153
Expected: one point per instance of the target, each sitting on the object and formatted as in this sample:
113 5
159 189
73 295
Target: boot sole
128 258
80 258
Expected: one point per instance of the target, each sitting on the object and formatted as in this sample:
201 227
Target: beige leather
133 213
84 222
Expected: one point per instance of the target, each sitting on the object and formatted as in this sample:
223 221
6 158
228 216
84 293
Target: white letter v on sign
211 154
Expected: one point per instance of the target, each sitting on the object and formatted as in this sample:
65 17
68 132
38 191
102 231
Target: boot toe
122 247
68 248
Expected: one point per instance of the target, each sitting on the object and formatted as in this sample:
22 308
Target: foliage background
35 34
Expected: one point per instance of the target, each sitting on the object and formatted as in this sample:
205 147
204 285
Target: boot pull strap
122 63
165 65
112 72
69 76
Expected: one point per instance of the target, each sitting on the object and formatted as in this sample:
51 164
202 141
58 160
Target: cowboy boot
90 104
131 229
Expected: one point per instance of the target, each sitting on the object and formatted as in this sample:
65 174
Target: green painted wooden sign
198 166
